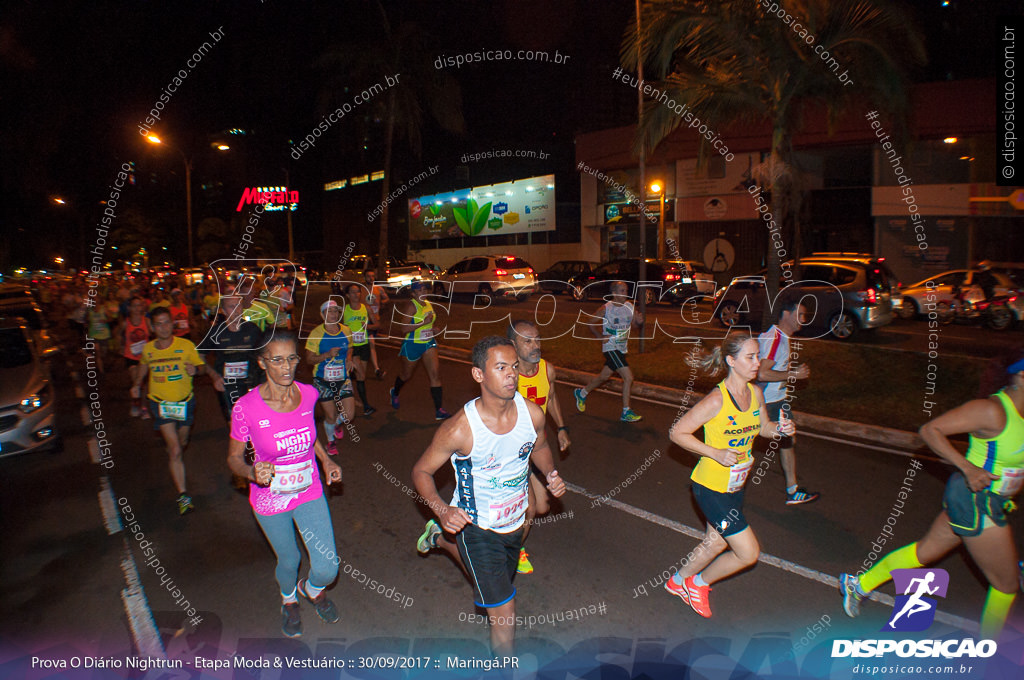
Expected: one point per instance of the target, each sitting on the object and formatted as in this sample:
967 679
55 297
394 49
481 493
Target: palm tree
731 62
384 52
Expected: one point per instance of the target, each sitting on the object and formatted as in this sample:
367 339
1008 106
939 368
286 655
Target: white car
971 281
501 275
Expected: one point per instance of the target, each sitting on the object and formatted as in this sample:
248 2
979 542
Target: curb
844 429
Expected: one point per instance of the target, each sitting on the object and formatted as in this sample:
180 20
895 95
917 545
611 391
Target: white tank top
491 481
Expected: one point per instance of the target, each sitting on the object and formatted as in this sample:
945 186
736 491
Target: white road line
140 616
86 418
785 565
111 517
136 606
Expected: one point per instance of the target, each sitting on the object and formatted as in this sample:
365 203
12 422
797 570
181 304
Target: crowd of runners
243 339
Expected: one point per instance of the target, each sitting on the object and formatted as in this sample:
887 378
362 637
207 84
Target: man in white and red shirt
772 377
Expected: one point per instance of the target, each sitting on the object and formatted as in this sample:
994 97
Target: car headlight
37 400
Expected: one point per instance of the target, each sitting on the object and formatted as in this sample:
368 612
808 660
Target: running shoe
332 448
185 504
135 411
697 596
441 414
380 374
581 401
680 590
325 609
369 411
291 624
849 586
801 496
630 416
428 539
524 566
394 398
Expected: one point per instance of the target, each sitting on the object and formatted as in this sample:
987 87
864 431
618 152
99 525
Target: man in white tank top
489 443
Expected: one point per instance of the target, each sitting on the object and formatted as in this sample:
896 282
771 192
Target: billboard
516 207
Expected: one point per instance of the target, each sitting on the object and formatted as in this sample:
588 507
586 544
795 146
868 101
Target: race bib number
1010 482
236 369
359 337
334 372
507 511
292 478
424 334
136 347
172 410
738 474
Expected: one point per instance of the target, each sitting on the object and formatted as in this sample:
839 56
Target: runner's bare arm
983 418
704 410
556 410
542 455
597 329
453 436
331 469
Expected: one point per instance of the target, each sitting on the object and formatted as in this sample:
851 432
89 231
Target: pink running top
286 440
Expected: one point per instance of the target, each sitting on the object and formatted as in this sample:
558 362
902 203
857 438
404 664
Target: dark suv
667 280
850 292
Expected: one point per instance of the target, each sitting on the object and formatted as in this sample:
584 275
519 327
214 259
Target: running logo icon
914 610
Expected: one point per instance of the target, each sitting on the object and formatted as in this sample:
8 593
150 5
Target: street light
153 139
657 188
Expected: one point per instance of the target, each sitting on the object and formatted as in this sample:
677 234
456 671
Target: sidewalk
846 429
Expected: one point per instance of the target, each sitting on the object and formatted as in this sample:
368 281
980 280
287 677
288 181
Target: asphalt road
629 518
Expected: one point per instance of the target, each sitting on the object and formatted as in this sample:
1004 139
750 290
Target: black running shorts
491 560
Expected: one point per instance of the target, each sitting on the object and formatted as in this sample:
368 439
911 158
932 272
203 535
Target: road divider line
136 606
111 518
86 418
778 562
144 632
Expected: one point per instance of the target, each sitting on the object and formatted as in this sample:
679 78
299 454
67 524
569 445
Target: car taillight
500 272
869 295
672 277
529 270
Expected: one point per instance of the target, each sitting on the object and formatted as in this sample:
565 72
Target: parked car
851 292
699 276
33 316
972 283
501 275
557 277
668 280
27 411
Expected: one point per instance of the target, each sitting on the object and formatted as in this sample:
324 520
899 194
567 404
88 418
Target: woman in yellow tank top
732 414
977 499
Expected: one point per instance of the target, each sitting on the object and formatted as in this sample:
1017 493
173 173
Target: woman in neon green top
419 344
732 415
975 503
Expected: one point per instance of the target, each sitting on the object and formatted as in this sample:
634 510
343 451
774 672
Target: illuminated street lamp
153 139
657 188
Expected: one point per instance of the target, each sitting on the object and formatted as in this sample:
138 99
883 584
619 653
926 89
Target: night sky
79 77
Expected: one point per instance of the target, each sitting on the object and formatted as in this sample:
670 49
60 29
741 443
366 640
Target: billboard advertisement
519 206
